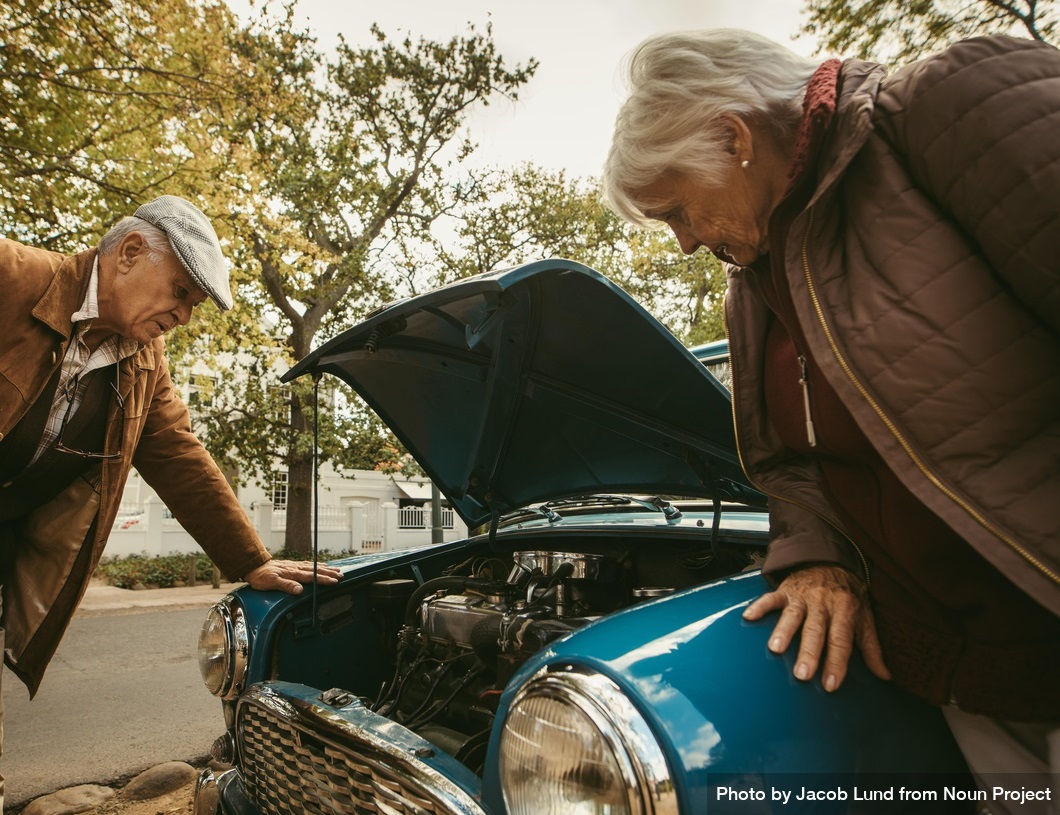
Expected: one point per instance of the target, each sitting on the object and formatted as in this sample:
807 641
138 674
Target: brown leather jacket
925 272
55 550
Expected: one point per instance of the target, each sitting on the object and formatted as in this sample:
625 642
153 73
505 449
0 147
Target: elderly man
85 394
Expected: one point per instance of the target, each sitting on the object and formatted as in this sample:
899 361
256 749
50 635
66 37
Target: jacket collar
851 123
65 293
818 109
64 296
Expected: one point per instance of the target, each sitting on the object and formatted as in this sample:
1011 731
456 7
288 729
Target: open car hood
539 382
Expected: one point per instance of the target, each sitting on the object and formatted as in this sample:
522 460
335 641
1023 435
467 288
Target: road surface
122 694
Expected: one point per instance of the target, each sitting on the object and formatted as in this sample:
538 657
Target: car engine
462 636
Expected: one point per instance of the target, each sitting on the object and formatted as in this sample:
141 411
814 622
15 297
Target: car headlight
573 743
223 649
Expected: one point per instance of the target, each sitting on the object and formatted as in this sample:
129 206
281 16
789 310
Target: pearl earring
745 164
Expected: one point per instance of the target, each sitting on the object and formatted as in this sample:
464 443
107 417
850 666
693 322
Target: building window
278 490
201 390
280 404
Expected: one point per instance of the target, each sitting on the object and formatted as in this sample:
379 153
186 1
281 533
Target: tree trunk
299 534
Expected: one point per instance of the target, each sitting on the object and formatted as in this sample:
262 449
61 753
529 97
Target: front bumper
221 795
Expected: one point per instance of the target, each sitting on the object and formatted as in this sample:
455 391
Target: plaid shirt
80 360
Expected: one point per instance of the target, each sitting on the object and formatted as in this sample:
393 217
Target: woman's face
730 219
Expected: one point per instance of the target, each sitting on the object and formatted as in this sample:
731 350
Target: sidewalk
103 599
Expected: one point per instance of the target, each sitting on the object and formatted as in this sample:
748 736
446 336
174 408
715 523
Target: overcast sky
564 117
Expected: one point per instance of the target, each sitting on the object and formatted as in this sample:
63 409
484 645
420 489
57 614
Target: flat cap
194 242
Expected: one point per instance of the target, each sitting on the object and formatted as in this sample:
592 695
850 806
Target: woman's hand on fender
831 607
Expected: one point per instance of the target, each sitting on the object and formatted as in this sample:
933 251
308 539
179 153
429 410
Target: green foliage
312 168
164 571
116 102
248 410
109 104
359 171
526 213
167 571
899 31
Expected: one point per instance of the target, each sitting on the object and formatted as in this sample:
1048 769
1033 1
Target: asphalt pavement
103 599
123 693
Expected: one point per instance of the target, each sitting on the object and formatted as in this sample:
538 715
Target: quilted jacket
56 548
925 272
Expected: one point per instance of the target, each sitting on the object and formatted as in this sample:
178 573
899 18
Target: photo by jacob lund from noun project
885 794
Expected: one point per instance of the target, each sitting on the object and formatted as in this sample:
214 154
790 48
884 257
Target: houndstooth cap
195 243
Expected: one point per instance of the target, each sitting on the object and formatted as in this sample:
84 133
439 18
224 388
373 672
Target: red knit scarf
818 108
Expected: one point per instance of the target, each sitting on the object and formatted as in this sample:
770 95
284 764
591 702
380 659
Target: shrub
164 571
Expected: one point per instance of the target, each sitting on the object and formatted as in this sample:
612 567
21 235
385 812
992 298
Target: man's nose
183 314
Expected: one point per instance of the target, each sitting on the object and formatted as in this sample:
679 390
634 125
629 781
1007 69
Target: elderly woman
893 253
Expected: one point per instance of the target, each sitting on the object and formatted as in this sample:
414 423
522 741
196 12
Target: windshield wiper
544 510
548 509
671 512
590 500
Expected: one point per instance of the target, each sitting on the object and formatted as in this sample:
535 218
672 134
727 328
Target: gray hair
682 85
158 246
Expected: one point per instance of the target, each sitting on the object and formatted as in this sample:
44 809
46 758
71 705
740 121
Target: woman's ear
740 139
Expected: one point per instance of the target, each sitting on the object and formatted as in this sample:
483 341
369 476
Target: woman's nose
689 242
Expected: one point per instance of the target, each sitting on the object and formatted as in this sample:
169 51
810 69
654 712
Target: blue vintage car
584 652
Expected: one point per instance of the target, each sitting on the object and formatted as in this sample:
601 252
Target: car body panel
725 707
524 405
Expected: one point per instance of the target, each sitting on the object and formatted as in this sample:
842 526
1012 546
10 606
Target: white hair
682 86
158 245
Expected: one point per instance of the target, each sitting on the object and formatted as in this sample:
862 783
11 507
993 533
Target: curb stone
163 778
70 800
154 782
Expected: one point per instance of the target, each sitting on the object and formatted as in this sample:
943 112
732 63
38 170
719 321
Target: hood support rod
316 487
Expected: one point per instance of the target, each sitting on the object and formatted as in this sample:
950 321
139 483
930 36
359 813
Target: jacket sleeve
977 126
799 535
799 538
176 464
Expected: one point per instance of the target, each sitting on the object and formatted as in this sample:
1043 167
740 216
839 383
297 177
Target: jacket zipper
739 455
811 436
920 465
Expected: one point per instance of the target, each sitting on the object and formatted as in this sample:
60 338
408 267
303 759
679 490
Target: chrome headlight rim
631 740
237 648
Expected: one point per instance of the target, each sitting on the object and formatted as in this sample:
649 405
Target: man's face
148 298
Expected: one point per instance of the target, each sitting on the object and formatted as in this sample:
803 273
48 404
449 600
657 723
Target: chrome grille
290 767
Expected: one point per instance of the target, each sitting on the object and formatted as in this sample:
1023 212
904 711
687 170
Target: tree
109 103
112 103
347 177
311 170
250 413
527 213
900 31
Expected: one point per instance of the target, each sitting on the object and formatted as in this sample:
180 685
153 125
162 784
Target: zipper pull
811 436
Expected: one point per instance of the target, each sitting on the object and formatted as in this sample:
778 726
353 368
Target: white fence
356 527
420 518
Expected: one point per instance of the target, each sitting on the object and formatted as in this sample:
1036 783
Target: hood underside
539 382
